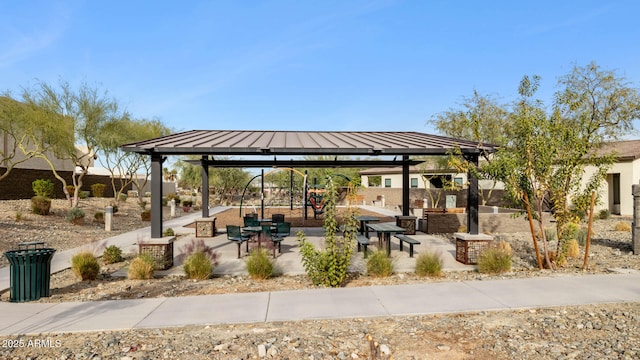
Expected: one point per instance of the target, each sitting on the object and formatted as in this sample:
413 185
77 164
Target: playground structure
313 196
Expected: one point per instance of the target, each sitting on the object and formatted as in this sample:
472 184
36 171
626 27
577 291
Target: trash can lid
34 244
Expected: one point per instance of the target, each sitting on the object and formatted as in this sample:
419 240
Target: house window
387 183
414 182
458 181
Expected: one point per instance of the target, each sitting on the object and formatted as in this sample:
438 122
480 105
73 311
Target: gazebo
263 149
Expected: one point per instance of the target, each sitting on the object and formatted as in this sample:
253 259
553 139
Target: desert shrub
114 207
429 264
75 215
168 232
141 268
379 264
98 216
493 260
572 249
581 236
84 194
142 204
604 214
18 215
98 190
259 264
328 266
42 187
173 196
40 205
85 265
187 203
112 254
503 245
145 215
550 233
71 189
197 245
623 226
198 266
123 197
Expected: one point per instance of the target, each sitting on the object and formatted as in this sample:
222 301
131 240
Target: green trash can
29 271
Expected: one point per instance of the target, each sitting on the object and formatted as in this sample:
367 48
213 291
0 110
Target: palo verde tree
89 111
593 106
127 167
548 154
28 133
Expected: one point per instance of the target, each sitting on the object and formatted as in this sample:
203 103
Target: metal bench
409 240
363 241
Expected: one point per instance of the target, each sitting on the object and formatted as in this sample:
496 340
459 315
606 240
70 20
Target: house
615 194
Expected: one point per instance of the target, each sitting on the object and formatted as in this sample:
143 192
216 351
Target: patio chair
235 234
283 229
277 218
250 221
267 235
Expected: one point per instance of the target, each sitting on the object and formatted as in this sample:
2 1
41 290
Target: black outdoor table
384 231
364 220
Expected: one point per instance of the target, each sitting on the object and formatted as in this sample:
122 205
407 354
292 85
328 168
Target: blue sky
310 65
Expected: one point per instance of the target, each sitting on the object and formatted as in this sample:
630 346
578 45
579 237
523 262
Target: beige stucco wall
629 174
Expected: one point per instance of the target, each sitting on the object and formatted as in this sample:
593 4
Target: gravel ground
606 331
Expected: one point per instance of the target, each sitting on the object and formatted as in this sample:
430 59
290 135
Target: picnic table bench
363 241
409 240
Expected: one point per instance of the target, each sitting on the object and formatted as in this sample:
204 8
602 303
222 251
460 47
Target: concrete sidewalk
375 301
364 302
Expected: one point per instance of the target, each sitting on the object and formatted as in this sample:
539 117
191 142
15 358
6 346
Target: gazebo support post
156 195
405 185
205 188
472 198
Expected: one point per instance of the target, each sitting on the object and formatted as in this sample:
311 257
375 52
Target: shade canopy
253 142
355 149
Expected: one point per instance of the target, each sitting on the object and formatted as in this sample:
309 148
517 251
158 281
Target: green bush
493 260
98 216
328 266
198 266
259 264
71 189
581 236
141 268
84 194
42 187
169 232
379 264
75 216
98 190
85 265
123 197
604 214
112 254
187 203
429 264
40 205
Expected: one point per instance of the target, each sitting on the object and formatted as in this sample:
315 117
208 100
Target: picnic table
364 220
384 231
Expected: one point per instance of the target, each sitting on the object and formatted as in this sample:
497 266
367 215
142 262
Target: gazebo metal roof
253 142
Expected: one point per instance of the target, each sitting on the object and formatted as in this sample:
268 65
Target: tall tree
482 119
27 132
127 167
89 110
593 106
